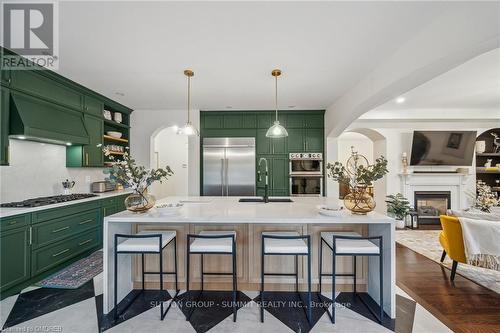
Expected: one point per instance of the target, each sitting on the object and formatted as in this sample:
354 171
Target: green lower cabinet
4 126
14 256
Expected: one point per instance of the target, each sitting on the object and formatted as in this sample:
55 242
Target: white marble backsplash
37 169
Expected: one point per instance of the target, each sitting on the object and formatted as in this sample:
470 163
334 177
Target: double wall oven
306 174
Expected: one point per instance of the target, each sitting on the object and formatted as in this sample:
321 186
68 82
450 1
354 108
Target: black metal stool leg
202 272
116 282
234 281
296 273
161 280
320 264
333 282
309 297
381 283
187 274
262 283
354 264
175 268
143 275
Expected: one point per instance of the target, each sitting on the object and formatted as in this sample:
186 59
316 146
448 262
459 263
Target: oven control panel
306 156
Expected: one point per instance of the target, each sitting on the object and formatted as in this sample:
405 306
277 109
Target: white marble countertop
5 212
229 210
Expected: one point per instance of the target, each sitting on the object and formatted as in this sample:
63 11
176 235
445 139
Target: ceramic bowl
168 208
336 212
114 134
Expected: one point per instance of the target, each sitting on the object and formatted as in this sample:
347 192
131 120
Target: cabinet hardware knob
85 242
59 253
60 229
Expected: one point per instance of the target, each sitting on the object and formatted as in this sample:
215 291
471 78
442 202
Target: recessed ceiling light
119 93
400 100
291 106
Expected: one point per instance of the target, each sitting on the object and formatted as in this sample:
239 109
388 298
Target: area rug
75 275
426 242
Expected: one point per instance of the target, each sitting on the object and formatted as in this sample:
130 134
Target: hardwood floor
462 305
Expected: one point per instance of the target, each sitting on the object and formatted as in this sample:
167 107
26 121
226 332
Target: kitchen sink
262 200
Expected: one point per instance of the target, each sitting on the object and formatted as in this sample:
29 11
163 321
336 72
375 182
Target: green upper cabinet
39 85
213 121
4 126
314 140
5 77
296 140
263 143
15 251
88 155
93 106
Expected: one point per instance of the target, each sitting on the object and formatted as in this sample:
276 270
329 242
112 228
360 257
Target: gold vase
359 201
140 202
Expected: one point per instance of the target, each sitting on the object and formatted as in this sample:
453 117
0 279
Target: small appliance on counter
68 185
102 186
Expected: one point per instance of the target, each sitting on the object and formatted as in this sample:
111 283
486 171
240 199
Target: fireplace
430 204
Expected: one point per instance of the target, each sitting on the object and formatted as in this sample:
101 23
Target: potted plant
398 206
137 178
359 175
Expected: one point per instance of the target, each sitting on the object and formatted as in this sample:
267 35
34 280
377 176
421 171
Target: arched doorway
370 144
169 148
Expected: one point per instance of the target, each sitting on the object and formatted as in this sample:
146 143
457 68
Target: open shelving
490 175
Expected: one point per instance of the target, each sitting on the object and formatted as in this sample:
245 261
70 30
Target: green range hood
37 120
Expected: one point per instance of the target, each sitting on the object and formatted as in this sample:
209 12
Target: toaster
103 186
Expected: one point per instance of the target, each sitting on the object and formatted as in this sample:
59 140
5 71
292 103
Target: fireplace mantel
453 182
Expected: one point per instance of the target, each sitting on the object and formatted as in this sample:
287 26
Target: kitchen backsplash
37 169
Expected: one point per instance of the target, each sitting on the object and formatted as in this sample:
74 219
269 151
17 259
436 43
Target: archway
370 144
169 148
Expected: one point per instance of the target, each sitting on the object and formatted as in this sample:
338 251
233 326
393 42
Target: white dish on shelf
168 208
328 211
114 134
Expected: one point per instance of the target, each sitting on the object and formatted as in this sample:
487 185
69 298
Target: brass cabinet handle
9 80
59 253
60 229
12 222
7 155
86 158
86 221
85 242
31 235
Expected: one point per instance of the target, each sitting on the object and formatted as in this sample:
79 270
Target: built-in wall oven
306 174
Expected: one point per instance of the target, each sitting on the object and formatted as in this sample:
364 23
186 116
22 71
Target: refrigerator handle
222 179
227 180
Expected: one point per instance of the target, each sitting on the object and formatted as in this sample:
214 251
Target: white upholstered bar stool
286 243
351 244
212 242
146 242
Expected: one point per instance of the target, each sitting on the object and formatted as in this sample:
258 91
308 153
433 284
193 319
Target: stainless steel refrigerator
229 166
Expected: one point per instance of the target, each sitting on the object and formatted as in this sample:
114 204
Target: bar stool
212 242
146 242
286 243
351 244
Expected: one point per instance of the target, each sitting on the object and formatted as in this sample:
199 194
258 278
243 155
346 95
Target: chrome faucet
266 188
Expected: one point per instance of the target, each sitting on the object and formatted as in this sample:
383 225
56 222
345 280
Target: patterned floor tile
290 308
208 308
41 301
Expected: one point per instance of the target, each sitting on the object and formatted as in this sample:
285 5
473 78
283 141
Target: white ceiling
471 90
141 49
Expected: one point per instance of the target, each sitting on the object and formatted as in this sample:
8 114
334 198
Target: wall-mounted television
453 148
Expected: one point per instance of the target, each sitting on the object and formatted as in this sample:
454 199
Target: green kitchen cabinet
15 253
213 122
4 126
5 77
314 140
296 140
314 120
88 155
263 143
93 106
278 176
38 84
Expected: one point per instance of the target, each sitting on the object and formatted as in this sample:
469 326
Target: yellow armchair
452 242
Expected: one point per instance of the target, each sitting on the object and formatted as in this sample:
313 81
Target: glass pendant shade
276 131
189 130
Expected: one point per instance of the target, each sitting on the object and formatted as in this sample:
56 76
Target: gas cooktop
42 201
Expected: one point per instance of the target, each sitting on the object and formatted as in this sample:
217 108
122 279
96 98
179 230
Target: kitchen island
249 220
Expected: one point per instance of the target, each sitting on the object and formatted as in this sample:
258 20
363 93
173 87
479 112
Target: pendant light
276 131
189 129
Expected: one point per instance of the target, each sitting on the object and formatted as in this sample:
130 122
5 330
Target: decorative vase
359 201
140 202
480 147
